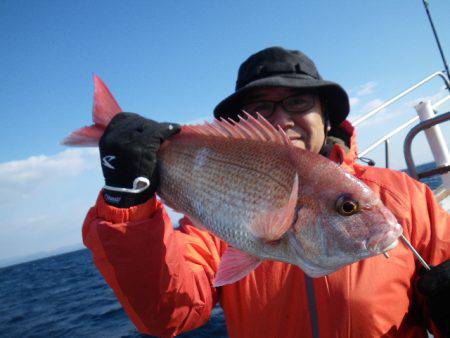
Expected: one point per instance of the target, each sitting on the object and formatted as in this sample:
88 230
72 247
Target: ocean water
65 296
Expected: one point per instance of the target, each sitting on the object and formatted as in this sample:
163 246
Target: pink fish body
246 183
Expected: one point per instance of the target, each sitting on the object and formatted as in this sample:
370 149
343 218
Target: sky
174 61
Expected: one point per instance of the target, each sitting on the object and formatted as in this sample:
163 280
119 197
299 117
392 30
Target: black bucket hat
279 67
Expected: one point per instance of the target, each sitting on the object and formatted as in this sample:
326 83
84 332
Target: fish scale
240 199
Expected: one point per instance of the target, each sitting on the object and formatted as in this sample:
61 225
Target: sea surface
65 296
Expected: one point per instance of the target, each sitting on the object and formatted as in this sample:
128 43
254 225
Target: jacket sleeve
429 229
426 224
430 226
161 276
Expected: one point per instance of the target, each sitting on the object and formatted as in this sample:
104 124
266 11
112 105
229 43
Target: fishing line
419 257
441 51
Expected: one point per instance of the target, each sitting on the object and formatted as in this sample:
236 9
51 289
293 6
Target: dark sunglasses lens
264 108
299 103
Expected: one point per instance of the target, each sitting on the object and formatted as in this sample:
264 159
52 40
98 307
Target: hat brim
338 106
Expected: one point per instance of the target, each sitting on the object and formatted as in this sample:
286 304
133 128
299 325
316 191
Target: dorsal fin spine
215 127
274 132
232 124
249 128
286 139
253 130
229 129
263 130
243 130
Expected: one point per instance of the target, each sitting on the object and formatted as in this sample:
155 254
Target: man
163 277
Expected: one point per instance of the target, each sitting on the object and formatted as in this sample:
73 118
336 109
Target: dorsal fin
106 107
249 128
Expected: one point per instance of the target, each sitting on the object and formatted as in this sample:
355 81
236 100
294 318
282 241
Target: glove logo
106 161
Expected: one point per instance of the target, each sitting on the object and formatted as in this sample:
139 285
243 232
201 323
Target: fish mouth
375 245
384 242
392 245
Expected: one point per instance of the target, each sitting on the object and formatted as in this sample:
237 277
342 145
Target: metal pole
386 153
425 3
435 139
412 133
387 136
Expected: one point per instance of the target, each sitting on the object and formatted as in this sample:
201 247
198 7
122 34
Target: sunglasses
298 103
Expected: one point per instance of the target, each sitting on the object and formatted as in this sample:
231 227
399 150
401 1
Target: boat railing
399 96
386 138
424 125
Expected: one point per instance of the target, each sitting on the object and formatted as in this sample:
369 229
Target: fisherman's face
305 128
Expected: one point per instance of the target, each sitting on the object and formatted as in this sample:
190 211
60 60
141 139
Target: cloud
20 178
42 226
366 89
382 116
44 199
433 98
359 100
371 105
361 105
366 107
354 101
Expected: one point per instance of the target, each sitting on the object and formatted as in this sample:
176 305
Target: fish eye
346 206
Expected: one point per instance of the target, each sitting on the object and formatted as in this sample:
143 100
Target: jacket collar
342 155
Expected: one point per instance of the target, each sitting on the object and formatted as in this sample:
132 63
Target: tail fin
105 108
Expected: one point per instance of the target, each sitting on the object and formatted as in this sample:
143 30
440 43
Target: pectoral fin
235 265
273 224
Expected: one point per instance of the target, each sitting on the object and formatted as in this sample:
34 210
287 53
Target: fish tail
105 107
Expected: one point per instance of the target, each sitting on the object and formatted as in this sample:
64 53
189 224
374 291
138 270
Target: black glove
435 286
128 157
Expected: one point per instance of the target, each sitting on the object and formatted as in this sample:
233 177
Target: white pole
435 139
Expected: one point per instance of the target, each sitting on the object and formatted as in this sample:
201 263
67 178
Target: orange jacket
163 277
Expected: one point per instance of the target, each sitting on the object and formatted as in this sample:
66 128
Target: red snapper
246 183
